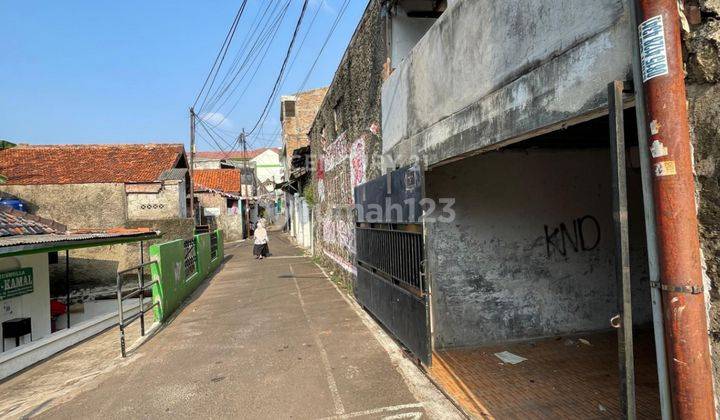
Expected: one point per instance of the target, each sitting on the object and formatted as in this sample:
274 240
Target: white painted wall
268 166
493 278
35 305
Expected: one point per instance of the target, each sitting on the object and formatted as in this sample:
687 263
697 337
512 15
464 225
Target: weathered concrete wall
164 200
80 206
702 46
351 155
512 67
406 32
511 265
231 224
91 206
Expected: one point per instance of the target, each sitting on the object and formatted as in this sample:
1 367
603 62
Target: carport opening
527 267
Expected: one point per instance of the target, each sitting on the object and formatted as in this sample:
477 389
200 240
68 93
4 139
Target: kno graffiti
583 235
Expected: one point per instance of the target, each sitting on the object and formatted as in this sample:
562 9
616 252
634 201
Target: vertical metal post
649 210
622 250
681 275
67 286
120 316
141 285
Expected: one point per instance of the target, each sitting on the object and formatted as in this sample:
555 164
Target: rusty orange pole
681 280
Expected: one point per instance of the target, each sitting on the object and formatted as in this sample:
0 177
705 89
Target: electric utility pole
243 144
192 161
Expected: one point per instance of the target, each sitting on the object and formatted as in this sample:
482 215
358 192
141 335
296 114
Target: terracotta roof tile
14 222
88 164
226 180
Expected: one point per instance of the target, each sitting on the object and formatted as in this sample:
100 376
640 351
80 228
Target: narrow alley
261 339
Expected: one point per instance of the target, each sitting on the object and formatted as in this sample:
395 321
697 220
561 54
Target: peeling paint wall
702 52
523 259
345 141
488 72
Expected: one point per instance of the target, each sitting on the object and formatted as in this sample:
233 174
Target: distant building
266 162
297 113
101 187
224 201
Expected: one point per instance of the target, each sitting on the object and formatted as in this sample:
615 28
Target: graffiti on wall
358 163
582 236
336 153
340 233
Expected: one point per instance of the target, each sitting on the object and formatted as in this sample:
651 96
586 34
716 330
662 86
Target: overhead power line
282 68
259 41
333 27
221 53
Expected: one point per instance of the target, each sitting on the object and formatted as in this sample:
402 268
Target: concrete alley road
264 339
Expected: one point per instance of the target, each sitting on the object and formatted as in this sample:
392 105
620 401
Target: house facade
506 147
297 113
102 187
224 201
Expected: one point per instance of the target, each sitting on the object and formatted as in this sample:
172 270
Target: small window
289 109
338 116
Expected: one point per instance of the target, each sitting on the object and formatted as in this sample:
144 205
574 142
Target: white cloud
325 4
216 119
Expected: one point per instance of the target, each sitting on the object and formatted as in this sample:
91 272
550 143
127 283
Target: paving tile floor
561 378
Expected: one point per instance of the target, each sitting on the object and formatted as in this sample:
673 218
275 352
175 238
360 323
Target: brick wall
295 129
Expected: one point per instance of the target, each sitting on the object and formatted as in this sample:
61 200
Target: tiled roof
15 223
88 164
227 180
251 154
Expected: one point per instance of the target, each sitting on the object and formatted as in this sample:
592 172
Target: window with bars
213 245
190 258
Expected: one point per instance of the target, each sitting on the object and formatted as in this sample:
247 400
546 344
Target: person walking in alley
261 249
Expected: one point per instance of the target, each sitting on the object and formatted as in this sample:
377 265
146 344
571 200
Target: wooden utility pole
192 161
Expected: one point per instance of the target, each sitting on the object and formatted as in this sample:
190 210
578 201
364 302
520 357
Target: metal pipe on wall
649 210
681 282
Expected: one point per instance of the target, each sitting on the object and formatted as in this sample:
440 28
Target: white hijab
261 236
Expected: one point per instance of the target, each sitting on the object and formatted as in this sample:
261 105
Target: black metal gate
390 280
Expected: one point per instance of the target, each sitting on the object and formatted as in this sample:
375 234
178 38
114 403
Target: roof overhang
52 243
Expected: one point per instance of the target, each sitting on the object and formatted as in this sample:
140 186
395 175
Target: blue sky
127 71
